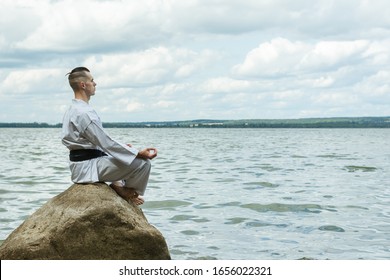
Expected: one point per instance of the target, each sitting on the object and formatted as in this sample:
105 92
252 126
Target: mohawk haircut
77 75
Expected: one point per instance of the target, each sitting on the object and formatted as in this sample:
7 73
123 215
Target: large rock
88 221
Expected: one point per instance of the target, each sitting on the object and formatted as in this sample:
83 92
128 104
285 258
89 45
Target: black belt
85 154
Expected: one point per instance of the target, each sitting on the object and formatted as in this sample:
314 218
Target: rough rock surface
87 221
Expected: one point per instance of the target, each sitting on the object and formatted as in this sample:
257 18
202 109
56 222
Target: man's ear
82 85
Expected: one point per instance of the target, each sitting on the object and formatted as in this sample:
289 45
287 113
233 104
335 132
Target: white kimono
82 129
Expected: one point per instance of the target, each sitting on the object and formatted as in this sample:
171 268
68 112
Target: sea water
232 193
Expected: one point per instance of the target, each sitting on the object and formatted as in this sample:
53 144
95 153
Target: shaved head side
77 75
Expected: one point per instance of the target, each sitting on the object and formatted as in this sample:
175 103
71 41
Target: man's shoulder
80 105
82 110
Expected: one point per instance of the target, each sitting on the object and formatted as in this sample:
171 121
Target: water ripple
356 168
331 228
280 207
165 204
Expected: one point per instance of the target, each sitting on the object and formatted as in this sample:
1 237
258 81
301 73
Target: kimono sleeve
95 133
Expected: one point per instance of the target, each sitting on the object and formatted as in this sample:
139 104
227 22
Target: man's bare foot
128 194
139 200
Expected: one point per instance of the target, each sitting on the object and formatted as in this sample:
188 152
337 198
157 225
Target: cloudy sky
194 59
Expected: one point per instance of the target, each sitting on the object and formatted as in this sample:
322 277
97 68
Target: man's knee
141 164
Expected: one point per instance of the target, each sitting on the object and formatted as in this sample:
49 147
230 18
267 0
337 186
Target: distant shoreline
348 122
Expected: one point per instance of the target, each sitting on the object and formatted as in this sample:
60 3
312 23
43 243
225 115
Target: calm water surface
233 193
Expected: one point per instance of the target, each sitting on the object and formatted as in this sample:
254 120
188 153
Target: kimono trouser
135 175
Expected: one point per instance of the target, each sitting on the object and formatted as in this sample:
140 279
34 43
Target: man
94 155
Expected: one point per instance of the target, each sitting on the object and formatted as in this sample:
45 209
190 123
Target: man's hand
148 153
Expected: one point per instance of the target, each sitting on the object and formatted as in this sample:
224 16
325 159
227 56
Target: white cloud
279 56
225 85
134 107
32 80
148 67
376 85
378 53
335 99
164 104
321 82
333 54
74 25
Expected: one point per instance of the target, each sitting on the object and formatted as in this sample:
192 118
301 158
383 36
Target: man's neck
81 96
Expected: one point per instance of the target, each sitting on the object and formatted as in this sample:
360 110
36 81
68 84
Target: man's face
90 85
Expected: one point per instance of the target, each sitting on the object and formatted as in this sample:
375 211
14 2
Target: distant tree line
29 125
360 122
